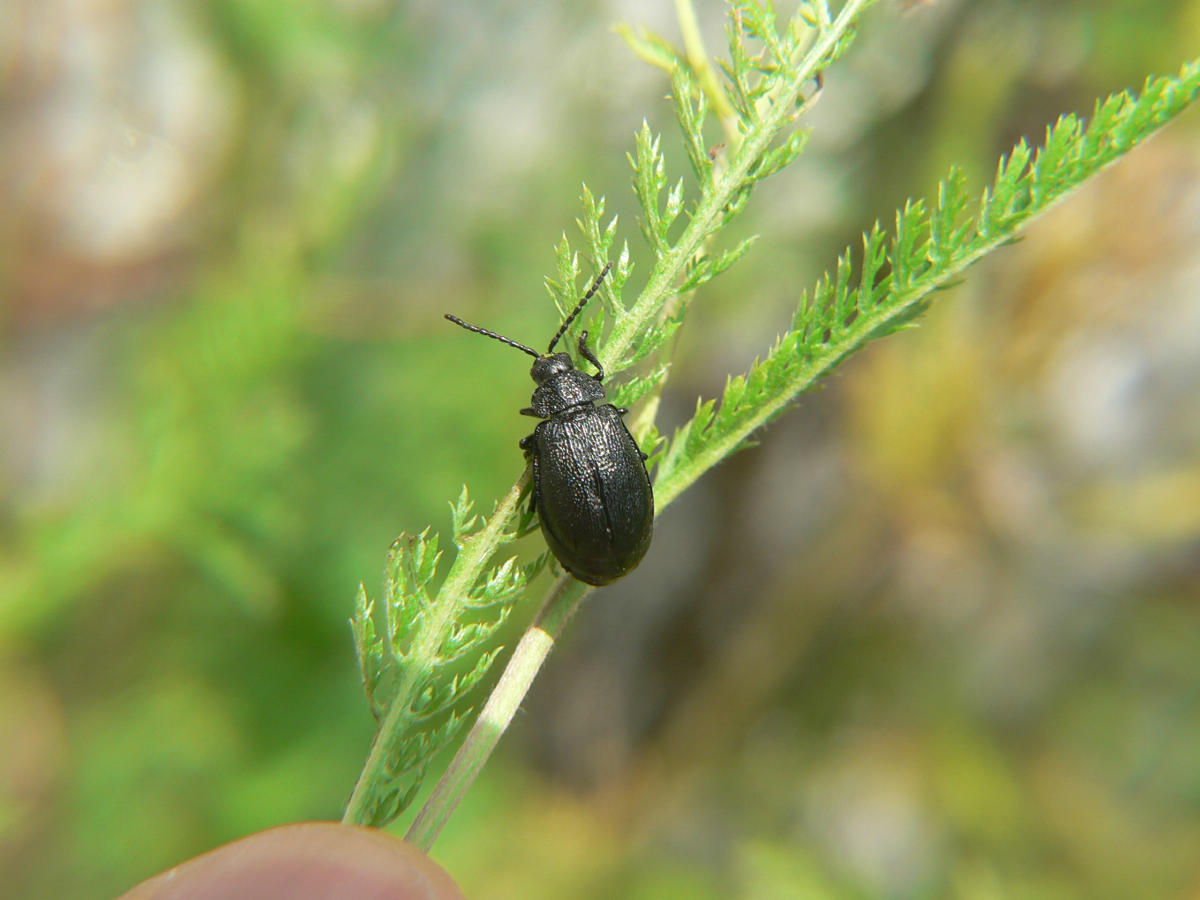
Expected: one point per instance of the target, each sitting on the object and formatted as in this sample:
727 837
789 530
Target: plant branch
925 252
710 208
524 664
368 799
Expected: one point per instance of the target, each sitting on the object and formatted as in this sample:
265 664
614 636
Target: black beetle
590 485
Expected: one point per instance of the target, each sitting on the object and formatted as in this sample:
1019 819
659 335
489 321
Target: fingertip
307 861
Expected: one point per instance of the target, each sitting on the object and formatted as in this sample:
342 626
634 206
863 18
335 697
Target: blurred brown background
938 636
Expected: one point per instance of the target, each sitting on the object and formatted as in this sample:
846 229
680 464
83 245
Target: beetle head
548 366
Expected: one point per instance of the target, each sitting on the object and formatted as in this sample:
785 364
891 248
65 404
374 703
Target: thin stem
561 603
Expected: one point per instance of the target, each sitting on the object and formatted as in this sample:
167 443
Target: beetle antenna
501 338
579 306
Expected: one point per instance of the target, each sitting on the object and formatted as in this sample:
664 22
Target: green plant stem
417 661
535 645
711 206
896 307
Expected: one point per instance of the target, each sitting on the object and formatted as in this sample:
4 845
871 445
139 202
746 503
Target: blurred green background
938 636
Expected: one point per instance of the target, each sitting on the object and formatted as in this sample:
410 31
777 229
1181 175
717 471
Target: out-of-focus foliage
937 636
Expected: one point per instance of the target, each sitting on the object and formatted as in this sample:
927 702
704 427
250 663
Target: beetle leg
586 352
533 482
526 444
528 411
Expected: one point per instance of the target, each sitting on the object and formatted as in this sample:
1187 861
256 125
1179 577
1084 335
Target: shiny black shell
592 492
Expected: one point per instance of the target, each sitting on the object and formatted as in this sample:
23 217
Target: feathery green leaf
928 249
